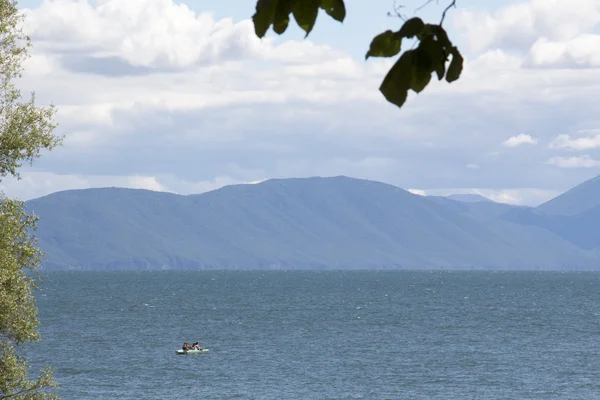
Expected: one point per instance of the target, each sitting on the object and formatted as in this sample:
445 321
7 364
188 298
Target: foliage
25 129
414 67
18 314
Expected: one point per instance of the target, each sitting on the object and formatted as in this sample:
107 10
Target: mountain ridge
317 223
575 200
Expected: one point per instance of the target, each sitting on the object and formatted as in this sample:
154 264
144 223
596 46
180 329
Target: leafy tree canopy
25 129
412 70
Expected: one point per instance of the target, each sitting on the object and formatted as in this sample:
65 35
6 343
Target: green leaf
396 83
411 27
440 70
456 65
419 79
263 17
441 35
422 65
335 8
305 13
25 130
432 53
384 45
281 17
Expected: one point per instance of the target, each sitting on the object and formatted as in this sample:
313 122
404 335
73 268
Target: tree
414 67
25 130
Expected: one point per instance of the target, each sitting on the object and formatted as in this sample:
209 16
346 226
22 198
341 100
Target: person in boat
186 346
196 346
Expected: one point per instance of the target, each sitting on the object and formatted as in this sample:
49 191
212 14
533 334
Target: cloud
516 196
581 143
584 161
580 52
518 26
526 196
518 140
141 37
473 166
418 192
508 27
37 184
143 34
201 102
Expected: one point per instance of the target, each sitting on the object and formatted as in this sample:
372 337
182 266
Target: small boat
181 351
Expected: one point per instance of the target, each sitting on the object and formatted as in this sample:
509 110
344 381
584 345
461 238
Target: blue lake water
321 334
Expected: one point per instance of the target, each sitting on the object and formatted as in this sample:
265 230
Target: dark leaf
441 35
281 17
456 65
422 66
384 45
421 58
411 27
440 70
280 25
420 79
263 17
396 83
432 54
306 12
335 8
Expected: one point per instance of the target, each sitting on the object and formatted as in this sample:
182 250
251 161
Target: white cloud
418 192
149 36
145 182
519 25
495 61
204 94
473 166
582 51
37 184
580 143
144 33
584 161
508 26
515 196
525 196
519 140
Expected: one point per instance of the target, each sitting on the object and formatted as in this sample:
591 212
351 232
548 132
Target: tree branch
424 5
397 12
453 4
8 396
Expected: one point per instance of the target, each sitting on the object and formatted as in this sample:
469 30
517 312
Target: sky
181 96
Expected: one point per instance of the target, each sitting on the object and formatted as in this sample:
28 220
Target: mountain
469 198
581 230
581 198
573 216
321 223
479 210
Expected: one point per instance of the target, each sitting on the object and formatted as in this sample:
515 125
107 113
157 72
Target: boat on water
194 351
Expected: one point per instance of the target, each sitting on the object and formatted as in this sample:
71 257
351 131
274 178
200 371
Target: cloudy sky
181 96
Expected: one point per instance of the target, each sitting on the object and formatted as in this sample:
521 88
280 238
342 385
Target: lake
321 334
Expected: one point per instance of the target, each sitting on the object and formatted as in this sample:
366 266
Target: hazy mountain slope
481 211
469 198
582 230
369 219
577 200
293 223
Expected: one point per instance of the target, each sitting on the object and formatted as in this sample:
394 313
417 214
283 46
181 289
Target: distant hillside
479 210
469 198
582 230
581 198
319 223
